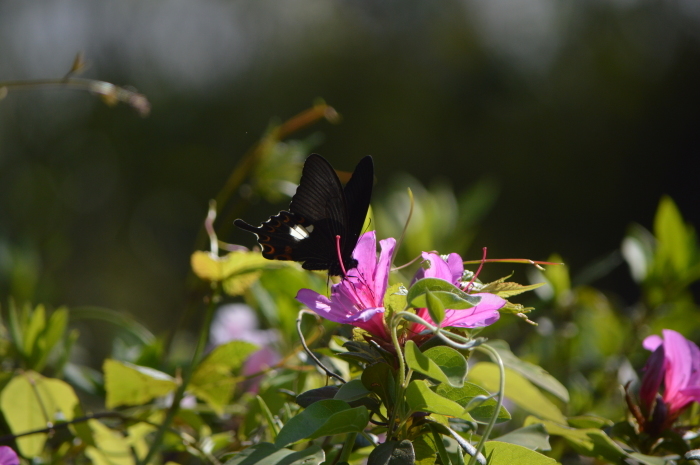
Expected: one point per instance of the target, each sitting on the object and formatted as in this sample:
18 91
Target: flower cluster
358 299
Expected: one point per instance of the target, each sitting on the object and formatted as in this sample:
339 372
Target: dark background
584 113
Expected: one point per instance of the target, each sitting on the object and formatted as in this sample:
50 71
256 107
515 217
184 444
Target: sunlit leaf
213 380
30 402
128 384
533 437
420 398
590 442
518 389
111 448
464 395
449 295
502 453
452 363
534 373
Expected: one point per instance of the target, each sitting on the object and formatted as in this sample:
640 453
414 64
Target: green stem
402 375
501 389
187 376
347 448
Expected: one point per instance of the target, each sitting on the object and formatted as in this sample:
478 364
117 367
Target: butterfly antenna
483 260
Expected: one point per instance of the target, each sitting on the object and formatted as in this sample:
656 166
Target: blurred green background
581 114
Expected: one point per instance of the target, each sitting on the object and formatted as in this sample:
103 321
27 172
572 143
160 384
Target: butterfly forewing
319 211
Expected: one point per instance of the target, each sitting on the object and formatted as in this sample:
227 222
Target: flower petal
483 314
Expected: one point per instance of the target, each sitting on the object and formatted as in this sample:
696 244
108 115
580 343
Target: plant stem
347 448
187 376
501 389
402 376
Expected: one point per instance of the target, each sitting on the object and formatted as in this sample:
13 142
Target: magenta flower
675 363
483 314
8 456
358 300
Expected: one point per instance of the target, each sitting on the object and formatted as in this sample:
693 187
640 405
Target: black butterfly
320 210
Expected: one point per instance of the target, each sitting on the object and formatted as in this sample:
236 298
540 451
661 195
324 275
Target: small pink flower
358 299
483 314
8 456
675 363
239 322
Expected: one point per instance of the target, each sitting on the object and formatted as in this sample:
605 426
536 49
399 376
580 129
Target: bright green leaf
436 308
26 402
502 453
128 384
533 437
213 380
518 389
323 418
590 442
463 395
534 373
420 398
418 362
111 448
451 296
451 362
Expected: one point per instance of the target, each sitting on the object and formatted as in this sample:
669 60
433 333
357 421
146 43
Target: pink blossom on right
451 270
675 363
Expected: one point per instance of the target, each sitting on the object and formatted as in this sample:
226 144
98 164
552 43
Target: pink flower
358 300
239 322
483 314
8 456
675 363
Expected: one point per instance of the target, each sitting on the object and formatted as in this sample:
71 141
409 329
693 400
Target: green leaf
394 299
533 437
323 418
452 363
436 309
451 296
558 278
534 373
314 395
50 336
518 389
418 362
393 453
502 453
463 395
425 449
30 401
16 327
508 289
379 378
420 398
267 454
590 442
128 384
213 380
675 241
37 323
352 390
111 448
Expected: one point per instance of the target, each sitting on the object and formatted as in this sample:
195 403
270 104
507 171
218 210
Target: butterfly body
320 210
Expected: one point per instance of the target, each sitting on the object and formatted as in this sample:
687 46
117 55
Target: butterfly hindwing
319 211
